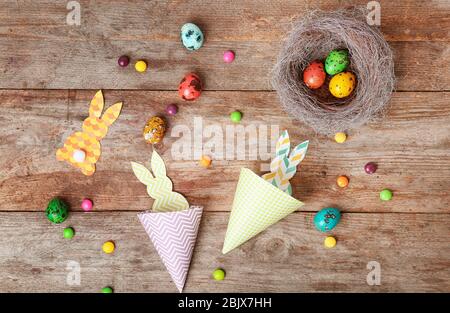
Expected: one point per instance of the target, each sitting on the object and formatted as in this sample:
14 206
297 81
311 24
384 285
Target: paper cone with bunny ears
260 202
173 225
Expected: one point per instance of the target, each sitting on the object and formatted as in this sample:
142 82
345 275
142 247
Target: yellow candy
340 137
329 242
108 247
205 161
140 66
342 84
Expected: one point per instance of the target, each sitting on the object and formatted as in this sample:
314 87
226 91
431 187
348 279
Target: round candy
123 61
314 75
329 242
68 233
172 109
205 161
190 87
154 130
79 155
342 84
236 116
336 61
108 247
342 181
340 137
386 195
191 36
326 219
228 56
370 168
107 290
86 205
140 66
57 211
218 274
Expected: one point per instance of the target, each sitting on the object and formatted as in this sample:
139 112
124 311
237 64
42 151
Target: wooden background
50 71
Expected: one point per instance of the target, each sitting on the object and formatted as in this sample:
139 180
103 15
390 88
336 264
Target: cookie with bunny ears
159 186
82 149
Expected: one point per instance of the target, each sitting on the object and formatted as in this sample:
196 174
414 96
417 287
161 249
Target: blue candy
326 219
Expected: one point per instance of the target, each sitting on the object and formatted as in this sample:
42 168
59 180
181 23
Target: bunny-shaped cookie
160 186
284 165
82 149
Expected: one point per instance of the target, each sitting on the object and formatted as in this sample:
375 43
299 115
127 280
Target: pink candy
86 205
228 56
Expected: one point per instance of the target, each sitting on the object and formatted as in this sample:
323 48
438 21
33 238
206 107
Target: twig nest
371 61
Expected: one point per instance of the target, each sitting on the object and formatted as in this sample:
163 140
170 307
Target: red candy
314 75
190 87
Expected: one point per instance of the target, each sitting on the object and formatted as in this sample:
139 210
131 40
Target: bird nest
371 60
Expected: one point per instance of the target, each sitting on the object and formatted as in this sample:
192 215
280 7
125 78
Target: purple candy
370 168
172 109
123 61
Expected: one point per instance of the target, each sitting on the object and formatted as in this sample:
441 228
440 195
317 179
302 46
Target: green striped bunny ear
282 148
142 173
158 166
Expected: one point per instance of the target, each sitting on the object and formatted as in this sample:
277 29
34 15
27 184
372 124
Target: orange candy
342 181
205 161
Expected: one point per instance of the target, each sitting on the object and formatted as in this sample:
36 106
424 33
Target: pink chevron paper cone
174 234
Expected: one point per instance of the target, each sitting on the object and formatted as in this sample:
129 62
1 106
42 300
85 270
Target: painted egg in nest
327 219
337 61
342 84
314 75
154 130
190 87
191 36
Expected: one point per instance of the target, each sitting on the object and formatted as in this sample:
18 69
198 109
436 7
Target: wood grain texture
288 257
411 146
235 20
38 50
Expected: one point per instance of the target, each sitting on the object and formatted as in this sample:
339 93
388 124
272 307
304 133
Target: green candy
107 290
236 116
385 195
68 233
219 274
57 211
336 62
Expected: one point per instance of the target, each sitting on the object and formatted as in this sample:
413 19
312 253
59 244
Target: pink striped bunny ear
174 235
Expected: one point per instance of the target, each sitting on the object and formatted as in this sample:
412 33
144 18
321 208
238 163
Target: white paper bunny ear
298 153
158 166
142 173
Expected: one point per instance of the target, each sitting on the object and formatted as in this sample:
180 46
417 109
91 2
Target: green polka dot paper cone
257 205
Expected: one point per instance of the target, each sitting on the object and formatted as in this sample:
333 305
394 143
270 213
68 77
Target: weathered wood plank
38 50
254 20
411 146
92 64
412 250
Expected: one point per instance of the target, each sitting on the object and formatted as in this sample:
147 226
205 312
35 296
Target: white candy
79 156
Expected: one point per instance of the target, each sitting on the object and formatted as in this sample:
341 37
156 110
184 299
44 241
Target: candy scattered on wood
228 56
218 274
123 61
340 137
108 247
